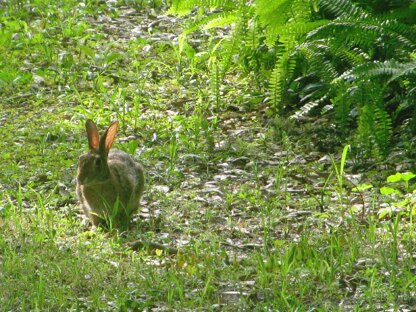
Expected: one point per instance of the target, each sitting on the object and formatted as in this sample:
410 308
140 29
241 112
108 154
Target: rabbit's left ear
108 138
92 134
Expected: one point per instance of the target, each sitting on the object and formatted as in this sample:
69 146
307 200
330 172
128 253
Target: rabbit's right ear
108 137
92 134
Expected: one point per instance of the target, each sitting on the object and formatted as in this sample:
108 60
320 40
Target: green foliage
401 200
331 48
236 14
283 70
285 23
345 8
183 7
342 108
361 60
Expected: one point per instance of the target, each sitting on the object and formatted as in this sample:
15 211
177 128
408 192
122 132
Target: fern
282 72
365 128
367 31
267 10
307 108
227 47
374 122
218 19
234 13
232 44
342 106
391 68
382 130
355 48
317 53
275 87
353 57
221 20
299 29
215 82
184 7
283 18
341 8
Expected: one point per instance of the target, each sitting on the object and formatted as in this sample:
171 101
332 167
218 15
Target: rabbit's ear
107 139
92 134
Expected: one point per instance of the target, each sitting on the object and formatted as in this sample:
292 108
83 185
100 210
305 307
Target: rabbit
109 182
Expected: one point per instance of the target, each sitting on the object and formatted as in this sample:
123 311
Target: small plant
339 173
173 146
402 201
399 177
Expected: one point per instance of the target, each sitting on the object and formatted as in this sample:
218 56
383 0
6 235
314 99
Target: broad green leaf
408 176
389 190
395 178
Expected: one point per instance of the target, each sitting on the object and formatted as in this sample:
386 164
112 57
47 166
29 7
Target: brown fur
109 183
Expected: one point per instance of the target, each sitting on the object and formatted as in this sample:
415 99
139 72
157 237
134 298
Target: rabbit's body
110 183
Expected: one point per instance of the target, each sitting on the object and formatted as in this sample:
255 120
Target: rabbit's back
127 176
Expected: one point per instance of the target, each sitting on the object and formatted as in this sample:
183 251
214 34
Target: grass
260 222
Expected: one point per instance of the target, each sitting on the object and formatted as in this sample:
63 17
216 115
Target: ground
262 219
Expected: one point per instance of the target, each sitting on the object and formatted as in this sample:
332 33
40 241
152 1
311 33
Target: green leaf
220 21
401 177
408 176
395 178
384 212
344 158
87 51
388 191
362 187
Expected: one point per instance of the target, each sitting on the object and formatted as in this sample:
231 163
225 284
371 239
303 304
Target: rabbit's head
93 166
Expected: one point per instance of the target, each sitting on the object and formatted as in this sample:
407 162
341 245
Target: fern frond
353 57
222 20
342 106
341 8
282 72
391 68
273 13
365 32
382 130
318 55
218 19
183 7
275 83
308 107
366 127
284 17
300 29
231 45
301 11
